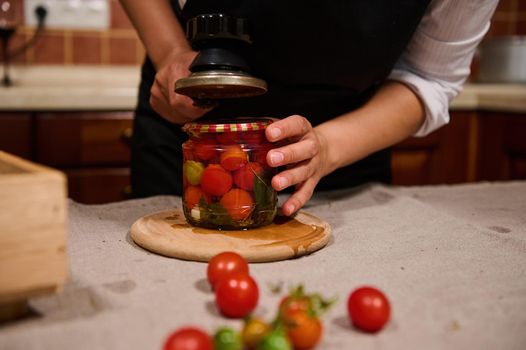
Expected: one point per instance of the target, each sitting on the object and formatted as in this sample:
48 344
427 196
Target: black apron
320 59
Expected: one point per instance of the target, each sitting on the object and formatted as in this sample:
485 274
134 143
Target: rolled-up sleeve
436 63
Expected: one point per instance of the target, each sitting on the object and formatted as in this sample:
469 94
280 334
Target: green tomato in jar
193 171
276 340
227 339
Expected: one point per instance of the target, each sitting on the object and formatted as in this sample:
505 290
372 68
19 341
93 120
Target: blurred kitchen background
73 92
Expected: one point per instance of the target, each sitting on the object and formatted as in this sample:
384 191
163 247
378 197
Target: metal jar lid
220 84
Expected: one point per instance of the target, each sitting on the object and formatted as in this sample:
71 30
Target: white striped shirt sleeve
436 63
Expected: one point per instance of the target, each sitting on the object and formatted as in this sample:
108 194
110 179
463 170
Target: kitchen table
452 260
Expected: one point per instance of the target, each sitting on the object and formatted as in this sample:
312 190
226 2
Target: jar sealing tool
219 71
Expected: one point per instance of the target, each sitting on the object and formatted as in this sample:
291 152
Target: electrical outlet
70 14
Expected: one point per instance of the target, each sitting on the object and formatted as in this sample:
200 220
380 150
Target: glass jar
226 178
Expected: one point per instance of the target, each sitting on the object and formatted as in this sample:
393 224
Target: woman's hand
305 157
175 108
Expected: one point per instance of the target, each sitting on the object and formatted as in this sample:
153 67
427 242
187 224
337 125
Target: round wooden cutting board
167 233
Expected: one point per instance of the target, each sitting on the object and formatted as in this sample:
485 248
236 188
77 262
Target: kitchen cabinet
16 133
444 156
501 147
93 149
474 146
83 139
99 185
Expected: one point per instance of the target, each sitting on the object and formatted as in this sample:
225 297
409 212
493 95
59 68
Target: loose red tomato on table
237 295
294 303
368 309
223 265
188 338
312 303
303 329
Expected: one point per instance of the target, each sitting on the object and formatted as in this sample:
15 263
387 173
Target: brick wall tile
86 48
49 49
123 51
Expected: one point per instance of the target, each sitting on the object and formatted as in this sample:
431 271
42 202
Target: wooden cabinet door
16 133
92 185
82 139
501 146
92 148
444 156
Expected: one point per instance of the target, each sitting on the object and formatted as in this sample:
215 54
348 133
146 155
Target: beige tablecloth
452 260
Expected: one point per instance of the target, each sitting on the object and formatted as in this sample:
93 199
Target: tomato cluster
226 180
297 324
236 292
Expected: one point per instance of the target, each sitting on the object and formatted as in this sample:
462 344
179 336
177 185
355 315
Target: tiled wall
120 44
117 46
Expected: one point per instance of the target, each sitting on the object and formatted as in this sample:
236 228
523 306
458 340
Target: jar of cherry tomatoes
226 178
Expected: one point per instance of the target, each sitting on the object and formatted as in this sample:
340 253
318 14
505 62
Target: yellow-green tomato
253 332
227 339
276 340
193 171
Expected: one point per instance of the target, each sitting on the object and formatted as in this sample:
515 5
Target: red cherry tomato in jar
215 180
188 152
233 157
244 177
228 138
206 147
303 330
253 137
188 338
368 309
237 295
260 155
225 264
238 203
192 195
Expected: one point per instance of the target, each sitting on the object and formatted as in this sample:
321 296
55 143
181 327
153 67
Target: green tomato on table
227 339
276 340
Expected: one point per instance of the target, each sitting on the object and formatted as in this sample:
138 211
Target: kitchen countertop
452 260
105 88
56 88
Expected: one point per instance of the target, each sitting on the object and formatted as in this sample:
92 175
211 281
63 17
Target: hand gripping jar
226 178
